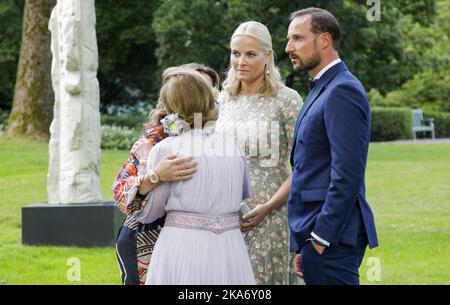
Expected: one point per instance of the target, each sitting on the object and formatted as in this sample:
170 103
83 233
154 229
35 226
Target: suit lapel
313 95
308 102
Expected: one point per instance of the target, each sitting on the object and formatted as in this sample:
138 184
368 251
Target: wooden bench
419 124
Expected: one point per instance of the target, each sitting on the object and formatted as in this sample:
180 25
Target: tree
138 39
422 11
11 12
429 88
126 41
200 30
32 110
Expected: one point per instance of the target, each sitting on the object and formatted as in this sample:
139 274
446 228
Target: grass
408 187
23 170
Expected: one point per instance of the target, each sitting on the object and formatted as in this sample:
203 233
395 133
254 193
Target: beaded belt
194 221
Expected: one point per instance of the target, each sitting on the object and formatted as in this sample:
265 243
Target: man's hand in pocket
319 249
298 265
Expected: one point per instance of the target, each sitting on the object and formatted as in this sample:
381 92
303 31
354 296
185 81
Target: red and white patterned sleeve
126 185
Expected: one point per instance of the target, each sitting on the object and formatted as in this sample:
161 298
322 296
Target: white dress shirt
324 69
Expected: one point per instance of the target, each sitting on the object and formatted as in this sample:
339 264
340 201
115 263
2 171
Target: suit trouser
338 265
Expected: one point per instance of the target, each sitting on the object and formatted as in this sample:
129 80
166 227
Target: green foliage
3 117
116 137
372 50
391 124
203 30
375 98
441 123
186 31
422 11
138 39
126 42
429 90
130 121
11 35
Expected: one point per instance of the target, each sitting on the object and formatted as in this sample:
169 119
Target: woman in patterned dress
131 191
261 112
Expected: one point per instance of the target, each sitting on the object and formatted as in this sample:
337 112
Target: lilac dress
201 242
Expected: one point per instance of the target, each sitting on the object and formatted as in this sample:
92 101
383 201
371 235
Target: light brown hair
185 92
157 114
205 70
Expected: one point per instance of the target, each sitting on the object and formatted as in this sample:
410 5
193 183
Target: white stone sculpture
75 134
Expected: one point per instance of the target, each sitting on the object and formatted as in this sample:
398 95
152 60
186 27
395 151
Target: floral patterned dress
263 127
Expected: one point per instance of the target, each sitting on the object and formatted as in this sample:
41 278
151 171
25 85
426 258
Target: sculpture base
83 225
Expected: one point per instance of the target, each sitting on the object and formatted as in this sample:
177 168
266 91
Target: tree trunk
32 110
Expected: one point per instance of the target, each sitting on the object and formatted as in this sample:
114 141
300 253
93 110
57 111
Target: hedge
441 123
116 137
390 124
130 121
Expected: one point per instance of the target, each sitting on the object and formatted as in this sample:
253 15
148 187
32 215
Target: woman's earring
267 72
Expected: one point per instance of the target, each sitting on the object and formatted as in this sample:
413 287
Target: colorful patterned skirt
134 248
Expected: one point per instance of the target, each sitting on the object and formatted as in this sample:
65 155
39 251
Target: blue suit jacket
329 156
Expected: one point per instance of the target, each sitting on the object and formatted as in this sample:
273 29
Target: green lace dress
264 126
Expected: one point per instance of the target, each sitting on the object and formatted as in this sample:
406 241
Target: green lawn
23 170
408 187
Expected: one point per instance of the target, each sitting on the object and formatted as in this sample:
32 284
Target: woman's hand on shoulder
173 168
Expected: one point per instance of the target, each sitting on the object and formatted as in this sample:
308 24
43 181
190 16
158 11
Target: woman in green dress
261 111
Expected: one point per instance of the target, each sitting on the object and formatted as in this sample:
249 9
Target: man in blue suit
330 220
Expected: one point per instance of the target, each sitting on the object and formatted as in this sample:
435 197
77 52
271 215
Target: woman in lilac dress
201 242
131 190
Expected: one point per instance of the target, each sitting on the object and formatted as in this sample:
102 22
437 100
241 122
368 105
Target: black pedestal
84 225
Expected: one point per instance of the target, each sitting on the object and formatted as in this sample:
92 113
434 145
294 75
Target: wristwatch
154 178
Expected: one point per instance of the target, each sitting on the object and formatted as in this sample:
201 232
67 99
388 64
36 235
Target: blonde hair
185 92
272 79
